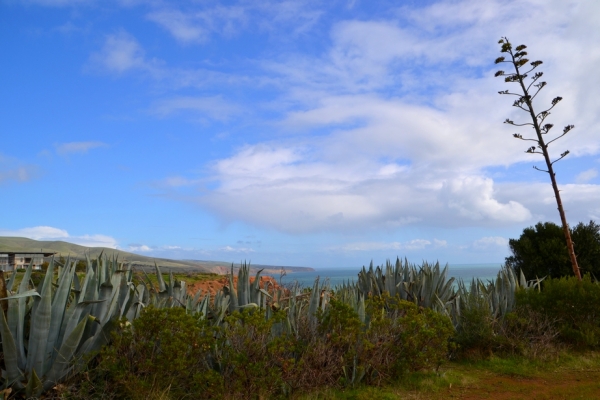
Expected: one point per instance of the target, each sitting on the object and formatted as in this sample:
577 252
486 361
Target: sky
296 132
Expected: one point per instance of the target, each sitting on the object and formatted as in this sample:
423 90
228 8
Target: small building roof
24 251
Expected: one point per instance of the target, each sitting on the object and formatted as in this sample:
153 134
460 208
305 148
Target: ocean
337 276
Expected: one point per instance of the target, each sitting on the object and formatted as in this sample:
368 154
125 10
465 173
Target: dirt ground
552 385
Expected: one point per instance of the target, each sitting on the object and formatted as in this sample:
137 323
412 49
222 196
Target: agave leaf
255 292
170 287
89 287
40 326
126 300
249 305
100 338
361 308
29 293
19 329
202 308
62 364
314 301
11 355
243 286
162 287
59 305
11 281
34 386
233 298
105 293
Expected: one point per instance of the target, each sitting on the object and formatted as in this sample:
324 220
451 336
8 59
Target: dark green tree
525 95
542 251
586 239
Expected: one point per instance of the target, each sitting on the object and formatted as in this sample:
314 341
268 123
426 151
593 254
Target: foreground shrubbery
249 342
168 351
573 306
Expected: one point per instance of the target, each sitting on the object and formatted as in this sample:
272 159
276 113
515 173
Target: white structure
10 261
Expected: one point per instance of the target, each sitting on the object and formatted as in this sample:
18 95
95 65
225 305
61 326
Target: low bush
572 305
477 331
163 351
404 338
525 332
166 353
249 357
529 333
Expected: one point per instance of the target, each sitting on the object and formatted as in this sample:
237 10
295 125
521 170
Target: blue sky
315 133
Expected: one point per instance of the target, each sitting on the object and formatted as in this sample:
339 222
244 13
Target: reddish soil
213 286
583 384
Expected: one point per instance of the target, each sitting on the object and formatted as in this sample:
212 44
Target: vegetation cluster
115 337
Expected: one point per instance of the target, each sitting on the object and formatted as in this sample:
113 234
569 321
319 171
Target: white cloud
295 190
139 247
586 175
490 242
77 147
213 107
440 243
229 249
579 200
439 149
198 24
181 25
20 174
473 197
51 233
60 3
94 241
12 169
415 244
37 233
120 53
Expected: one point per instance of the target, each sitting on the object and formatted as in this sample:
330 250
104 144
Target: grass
571 376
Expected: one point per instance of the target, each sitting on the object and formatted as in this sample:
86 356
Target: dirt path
551 385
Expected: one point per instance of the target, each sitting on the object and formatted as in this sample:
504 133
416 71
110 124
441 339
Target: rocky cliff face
213 286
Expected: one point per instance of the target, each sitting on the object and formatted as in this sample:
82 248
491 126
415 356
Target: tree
524 101
542 251
586 239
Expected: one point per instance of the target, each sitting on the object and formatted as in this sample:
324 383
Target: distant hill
20 244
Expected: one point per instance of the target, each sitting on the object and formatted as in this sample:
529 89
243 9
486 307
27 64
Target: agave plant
427 286
47 329
499 293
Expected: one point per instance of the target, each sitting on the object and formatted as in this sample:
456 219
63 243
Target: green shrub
404 338
342 330
250 357
166 353
573 305
163 351
529 333
476 333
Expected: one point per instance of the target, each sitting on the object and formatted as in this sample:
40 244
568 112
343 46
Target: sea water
337 276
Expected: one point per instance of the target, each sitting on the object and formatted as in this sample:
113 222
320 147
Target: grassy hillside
20 244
